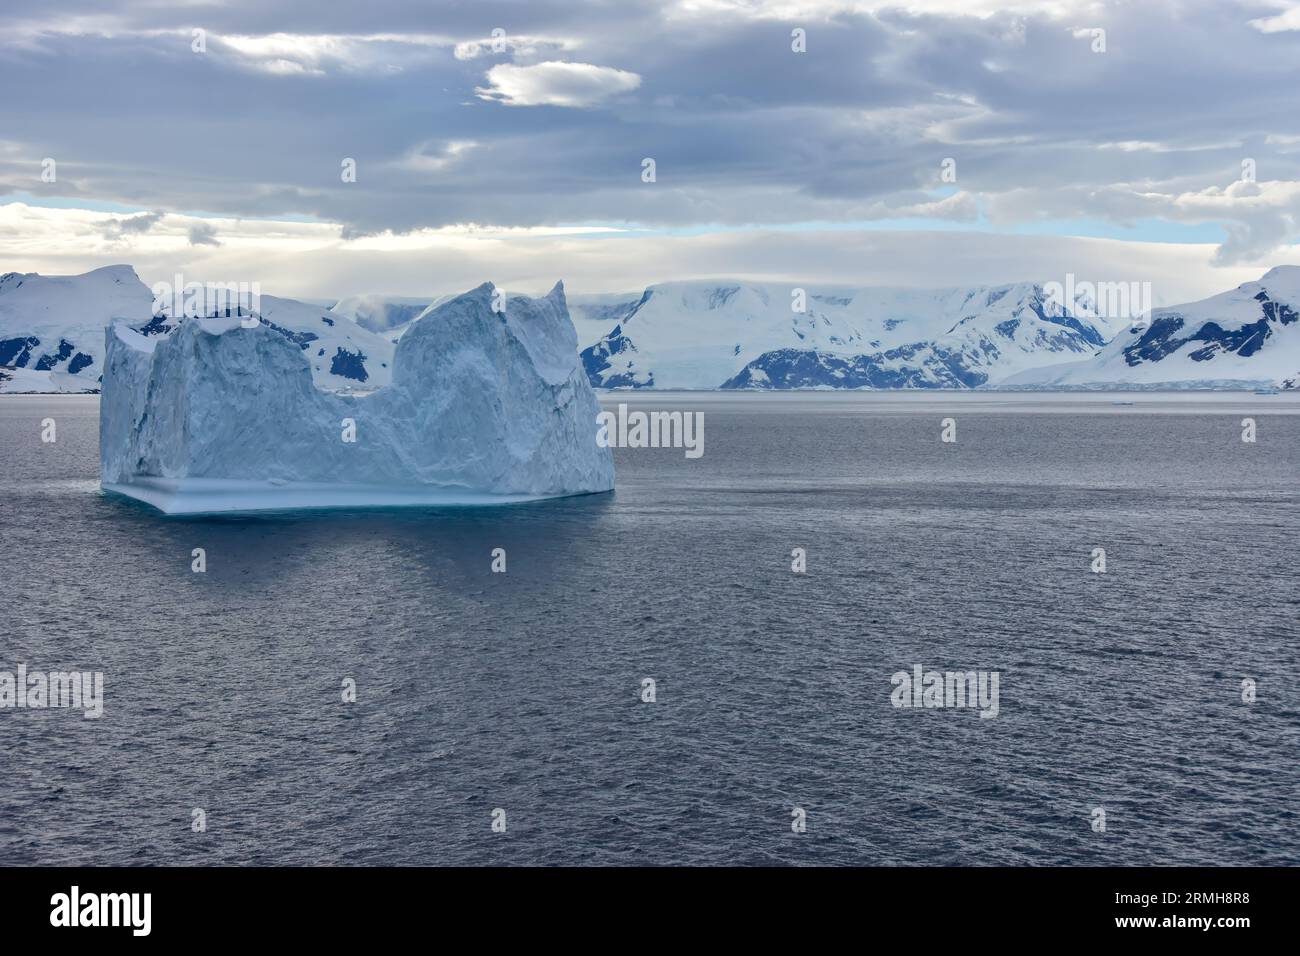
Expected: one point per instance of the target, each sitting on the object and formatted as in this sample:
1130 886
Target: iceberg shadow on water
485 407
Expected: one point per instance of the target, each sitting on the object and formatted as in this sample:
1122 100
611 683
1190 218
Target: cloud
959 207
1288 19
745 132
289 54
309 260
117 228
519 46
203 234
556 83
1259 217
435 157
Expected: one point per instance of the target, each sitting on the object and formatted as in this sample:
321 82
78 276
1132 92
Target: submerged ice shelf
484 407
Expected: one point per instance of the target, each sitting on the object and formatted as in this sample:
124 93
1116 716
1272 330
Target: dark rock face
17 352
300 339
1162 337
854 361
596 362
158 325
349 364
1085 331
51 359
798 368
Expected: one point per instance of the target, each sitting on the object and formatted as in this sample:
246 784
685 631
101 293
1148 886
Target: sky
846 142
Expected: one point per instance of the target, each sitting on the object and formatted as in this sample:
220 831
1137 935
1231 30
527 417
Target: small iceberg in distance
484 407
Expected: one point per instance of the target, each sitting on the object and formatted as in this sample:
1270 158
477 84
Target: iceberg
484 407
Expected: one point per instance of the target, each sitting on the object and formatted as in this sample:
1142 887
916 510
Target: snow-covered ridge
343 356
379 313
1246 337
768 335
730 334
593 314
52 327
482 407
52 332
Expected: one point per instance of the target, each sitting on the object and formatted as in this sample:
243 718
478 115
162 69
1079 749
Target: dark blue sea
477 691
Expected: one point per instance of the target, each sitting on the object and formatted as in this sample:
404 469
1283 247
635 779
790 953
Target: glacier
746 335
484 406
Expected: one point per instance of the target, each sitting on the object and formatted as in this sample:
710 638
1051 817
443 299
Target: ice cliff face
483 406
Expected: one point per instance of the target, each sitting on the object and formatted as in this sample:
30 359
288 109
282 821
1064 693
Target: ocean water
522 691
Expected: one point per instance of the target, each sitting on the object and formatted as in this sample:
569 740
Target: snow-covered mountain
594 314
730 335
52 332
1247 337
379 313
751 335
342 354
52 327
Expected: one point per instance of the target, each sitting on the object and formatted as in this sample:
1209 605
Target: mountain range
732 335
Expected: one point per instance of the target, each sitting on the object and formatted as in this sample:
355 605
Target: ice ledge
204 496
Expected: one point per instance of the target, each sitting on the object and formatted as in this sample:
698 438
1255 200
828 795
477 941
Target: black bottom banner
334 905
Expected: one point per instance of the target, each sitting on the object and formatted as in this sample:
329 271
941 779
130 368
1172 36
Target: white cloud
309 259
1287 20
959 207
1145 146
556 83
519 46
790 10
432 156
1258 217
287 54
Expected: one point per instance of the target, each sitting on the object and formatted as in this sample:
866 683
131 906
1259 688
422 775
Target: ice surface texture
484 406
